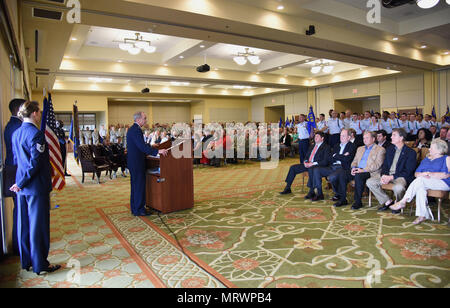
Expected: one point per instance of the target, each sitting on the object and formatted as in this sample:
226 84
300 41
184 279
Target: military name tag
40 147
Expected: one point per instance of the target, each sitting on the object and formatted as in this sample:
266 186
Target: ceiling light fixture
242 57
427 4
395 39
134 46
280 7
322 66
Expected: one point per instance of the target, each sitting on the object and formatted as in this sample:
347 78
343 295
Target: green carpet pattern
241 233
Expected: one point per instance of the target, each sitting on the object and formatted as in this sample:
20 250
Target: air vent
53 15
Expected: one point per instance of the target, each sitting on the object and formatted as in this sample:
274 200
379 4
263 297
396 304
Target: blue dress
435 165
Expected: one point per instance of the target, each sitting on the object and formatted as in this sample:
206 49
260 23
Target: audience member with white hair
433 173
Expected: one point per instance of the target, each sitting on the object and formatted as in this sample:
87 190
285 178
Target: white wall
395 92
294 103
443 99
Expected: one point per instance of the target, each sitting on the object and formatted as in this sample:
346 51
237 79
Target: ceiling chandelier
322 66
426 4
135 45
242 57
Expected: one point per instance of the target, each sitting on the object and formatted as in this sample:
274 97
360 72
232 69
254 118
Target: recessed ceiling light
423 46
395 39
280 67
165 64
280 7
181 57
202 46
446 53
120 61
74 39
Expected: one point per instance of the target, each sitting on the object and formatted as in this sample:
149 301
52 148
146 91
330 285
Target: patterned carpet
241 233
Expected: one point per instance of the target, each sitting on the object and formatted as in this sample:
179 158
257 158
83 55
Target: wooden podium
172 188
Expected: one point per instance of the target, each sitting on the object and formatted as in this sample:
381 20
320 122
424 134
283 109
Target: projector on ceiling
203 68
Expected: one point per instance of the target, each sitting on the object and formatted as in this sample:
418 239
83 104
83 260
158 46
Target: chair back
409 143
423 153
85 152
418 154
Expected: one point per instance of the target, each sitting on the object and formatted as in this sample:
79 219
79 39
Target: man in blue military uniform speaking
33 186
137 150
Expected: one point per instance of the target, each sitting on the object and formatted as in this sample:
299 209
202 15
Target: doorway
358 105
273 114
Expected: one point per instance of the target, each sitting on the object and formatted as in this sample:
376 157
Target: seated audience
432 173
398 169
341 158
285 142
382 139
424 138
367 163
434 132
317 156
443 133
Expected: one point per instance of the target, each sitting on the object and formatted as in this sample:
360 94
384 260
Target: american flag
48 126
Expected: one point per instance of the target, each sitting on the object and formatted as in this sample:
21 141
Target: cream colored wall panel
447 96
388 85
228 115
408 83
171 113
325 100
289 104
301 102
410 98
388 100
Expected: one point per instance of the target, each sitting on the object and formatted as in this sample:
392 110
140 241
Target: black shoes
335 198
310 195
318 197
356 206
286 191
51 269
385 207
340 203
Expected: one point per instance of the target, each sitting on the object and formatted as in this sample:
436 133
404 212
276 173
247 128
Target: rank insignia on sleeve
40 147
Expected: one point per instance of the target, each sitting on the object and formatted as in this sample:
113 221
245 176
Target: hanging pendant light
426 4
136 45
243 57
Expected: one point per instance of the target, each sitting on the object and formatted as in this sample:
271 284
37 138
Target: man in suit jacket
341 158
10 166
137 150
317 156
382 139
398 168
367 162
